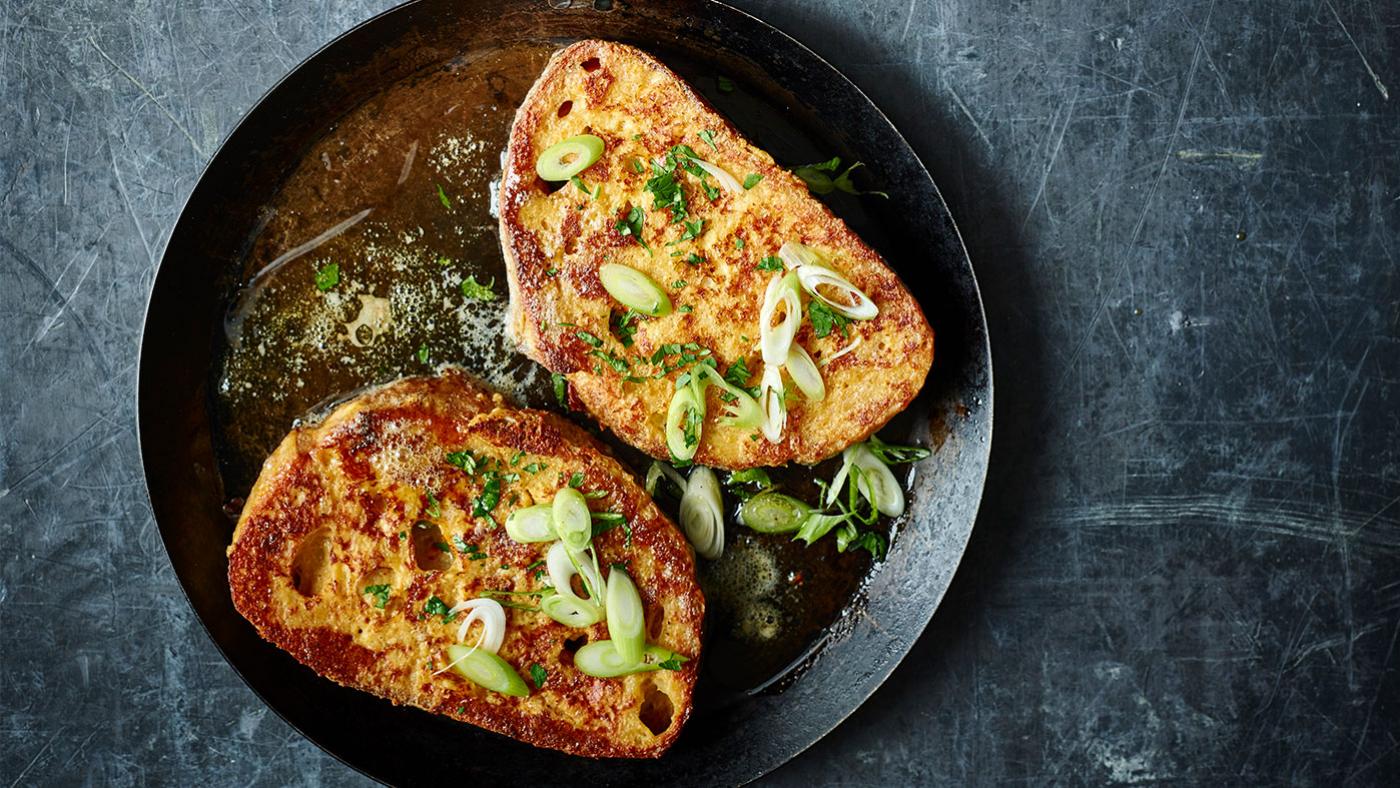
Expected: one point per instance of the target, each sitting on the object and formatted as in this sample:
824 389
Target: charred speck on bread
641 110
339 549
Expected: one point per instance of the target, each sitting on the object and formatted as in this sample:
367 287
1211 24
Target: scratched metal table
1184 216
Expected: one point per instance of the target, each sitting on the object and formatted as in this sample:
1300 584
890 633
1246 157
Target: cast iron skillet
730 744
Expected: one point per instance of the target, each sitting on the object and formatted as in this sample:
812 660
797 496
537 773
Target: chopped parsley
443 546
638 167
464 460
693 229
443 261
328 276
474 289
618 365
561 389
535 467
624 326
824 319
442 198
751 180
583 187
679 284
517 457
821 177
437 607
631 225
433 509
576 480
490 496
591 340
738 243
674 663
423 355
380 593
725 84
709 137
738 373
471 551
685 309
538 674
770 263
694 259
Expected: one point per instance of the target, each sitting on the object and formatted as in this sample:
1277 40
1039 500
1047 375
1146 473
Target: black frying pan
793 104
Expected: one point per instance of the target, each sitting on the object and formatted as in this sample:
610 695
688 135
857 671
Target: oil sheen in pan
356 278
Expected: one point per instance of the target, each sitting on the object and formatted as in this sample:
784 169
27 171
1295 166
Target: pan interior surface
345 237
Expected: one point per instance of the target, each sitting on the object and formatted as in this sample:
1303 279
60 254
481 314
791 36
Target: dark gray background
1183 216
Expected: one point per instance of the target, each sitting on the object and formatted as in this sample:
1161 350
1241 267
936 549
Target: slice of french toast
713 251
363 531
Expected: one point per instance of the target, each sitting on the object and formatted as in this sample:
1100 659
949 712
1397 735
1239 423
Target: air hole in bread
590 64
430 550
566 654
657 710
656 619
309 562
565 108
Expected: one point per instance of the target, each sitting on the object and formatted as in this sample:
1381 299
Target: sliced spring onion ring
493 622
854 304
878 484
659 470
773 513
775 340
626 617
634 289
803 371
741 410
570 611
702 513
563 564
531 524
684 421
486 669
770 398
602 660
817 525
795 255
843 351
563 160
726 180
572 520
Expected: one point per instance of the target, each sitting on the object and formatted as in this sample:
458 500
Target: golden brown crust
555 240
335 510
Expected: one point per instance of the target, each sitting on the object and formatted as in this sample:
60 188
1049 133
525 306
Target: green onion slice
771 400
803 371
487 670
531 524
740 409
795 255
493 622
570 610
702 513
563 563
729 182
773 513
602 660
877 485
660 470
634 289
684 420
563 160
848 300
775 340
572 520
818 525
626 618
